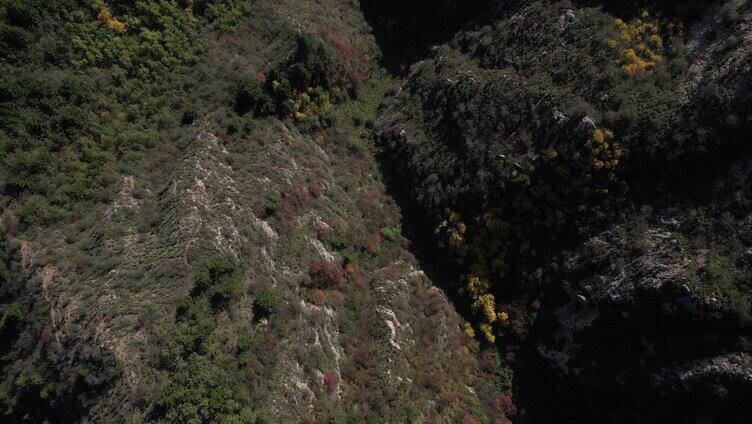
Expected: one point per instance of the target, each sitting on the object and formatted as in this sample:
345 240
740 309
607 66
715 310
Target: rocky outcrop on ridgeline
653 322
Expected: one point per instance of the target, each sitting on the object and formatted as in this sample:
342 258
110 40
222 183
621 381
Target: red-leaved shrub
337 297
318 297
340 44
330 382
466 418
325 274
316 190
433 301
374 243
355 276
507 405
487 363
536 304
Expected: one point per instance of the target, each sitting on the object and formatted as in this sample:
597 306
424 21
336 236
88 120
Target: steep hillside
585 171
194 227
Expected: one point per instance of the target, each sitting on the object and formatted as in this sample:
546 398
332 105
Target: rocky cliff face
655 310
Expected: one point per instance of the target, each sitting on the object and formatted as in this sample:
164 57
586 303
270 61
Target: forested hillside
585 171
330 211
194 229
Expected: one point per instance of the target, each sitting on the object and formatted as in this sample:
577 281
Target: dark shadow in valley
418 230
631 370
405 30
627 365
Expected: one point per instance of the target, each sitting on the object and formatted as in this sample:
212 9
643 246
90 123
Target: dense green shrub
198 388
49 144
252 98
221 14
302 88
190 114
10 326
264 305
356 145
13 38
272 205
55 384
312 65
217 279
24 14
241 125
390 233
46 376
200 392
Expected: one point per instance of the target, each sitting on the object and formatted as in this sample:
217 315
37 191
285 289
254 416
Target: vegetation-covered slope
194 226
194 229
551 149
